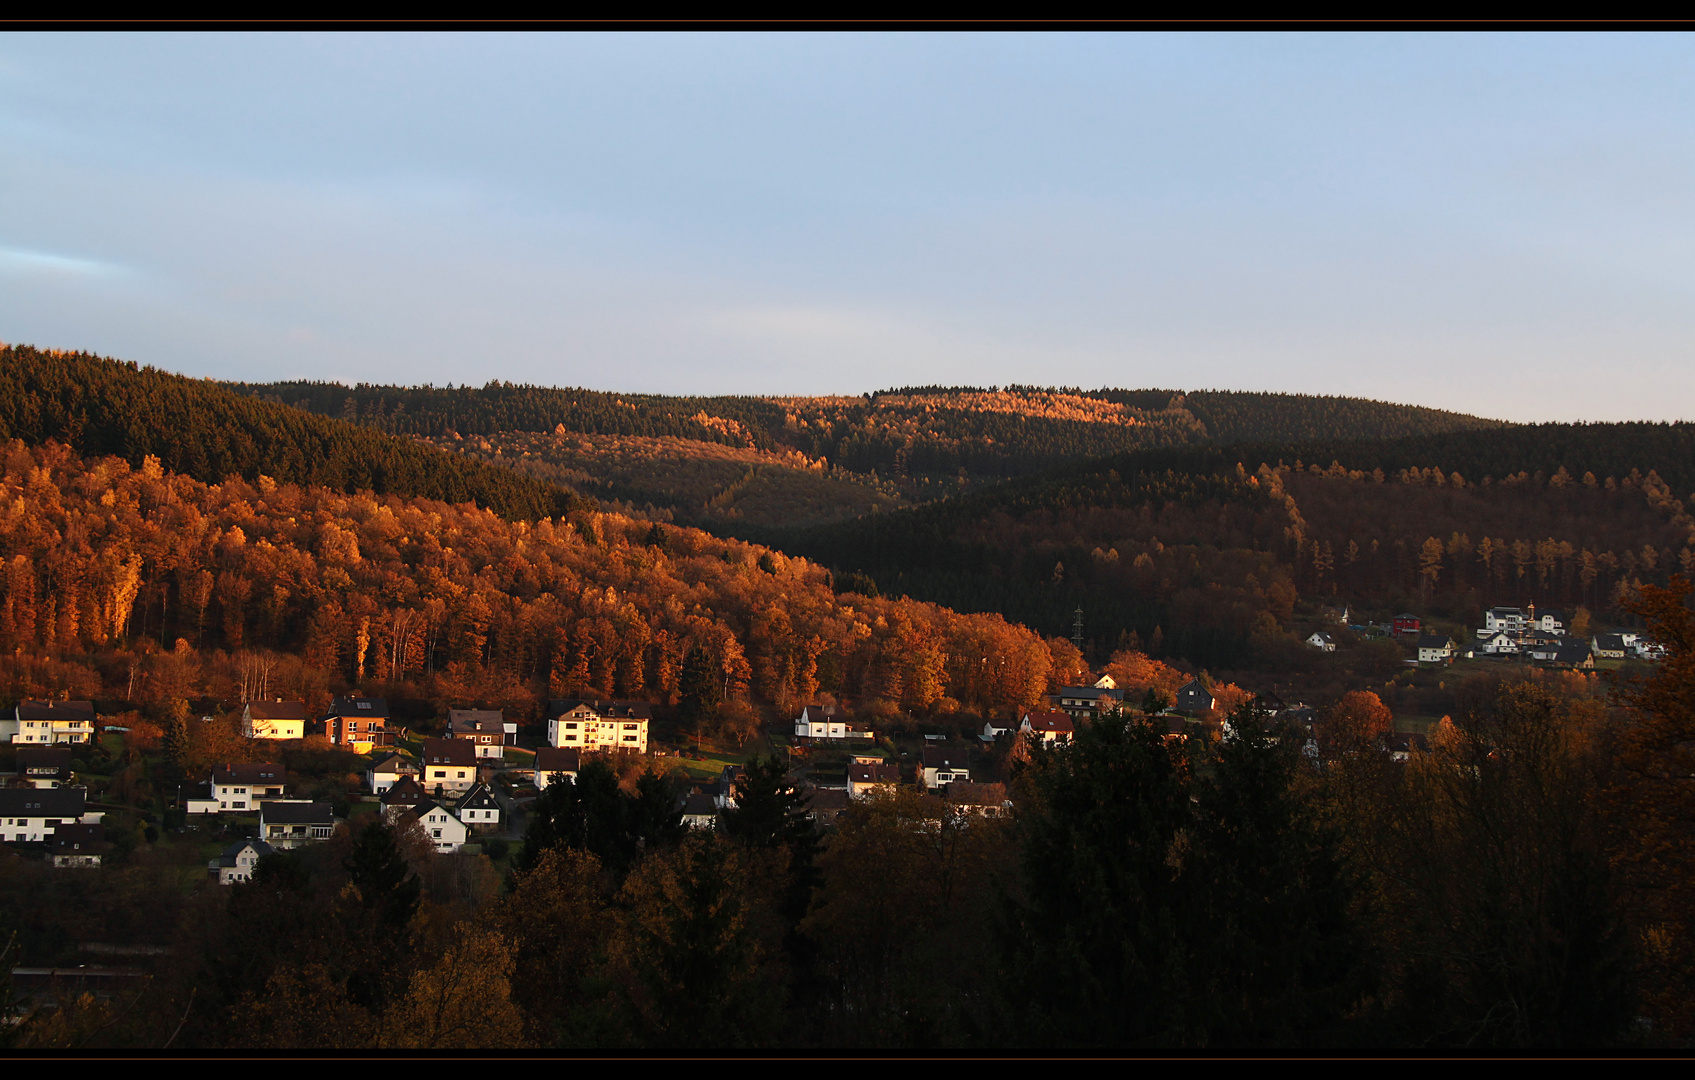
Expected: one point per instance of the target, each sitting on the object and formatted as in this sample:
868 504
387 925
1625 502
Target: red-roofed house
1051 726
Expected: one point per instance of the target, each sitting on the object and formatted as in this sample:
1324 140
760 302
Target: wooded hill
198 428
1203 552
944 432
446 603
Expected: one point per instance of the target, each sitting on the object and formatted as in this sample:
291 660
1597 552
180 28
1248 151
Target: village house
943 766
44 766
980 800
1501 643
240 787
1435 649
866 776
197 799
1322 642
1550 621
445 831
829 722
78 845
277 719
403 795
1575 655
730 777
29 815
292 823
1502 620
1193 698
1087 702
484 729
1053 726
556 763
45 723
1406 624
359 724
237 861
826 805
478 809
1402 745
599 725
1609 646
700 810
388 772
449 765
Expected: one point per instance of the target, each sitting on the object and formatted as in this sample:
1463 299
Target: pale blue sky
1498 224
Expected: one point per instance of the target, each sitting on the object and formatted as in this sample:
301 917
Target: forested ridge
201 429
923 431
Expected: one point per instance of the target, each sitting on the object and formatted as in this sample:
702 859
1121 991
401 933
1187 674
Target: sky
1497 224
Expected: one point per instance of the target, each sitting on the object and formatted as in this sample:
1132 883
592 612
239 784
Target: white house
556 763
240 787
943 766
993 731
1609 646
483 728
387 773
449 765
478 809
292 823
828 722
237 861
78 845
44 766
445 831
599 725
1322 642
1508 620
277 719
44 723
700 811
1501 643
1435 649
29 815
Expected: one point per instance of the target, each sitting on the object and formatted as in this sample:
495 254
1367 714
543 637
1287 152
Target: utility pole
1077 628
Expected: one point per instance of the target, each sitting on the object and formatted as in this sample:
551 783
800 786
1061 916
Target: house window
436 833
441 774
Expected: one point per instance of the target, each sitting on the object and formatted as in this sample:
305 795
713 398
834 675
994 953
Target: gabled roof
1053 720
1409 615
68 837
478 798
277 710
451 752
828 800
362 707
1506 612
865 773
1575 652
941 757
608 710
247 774
55 710
1610 642
1434 641
276 812
230 853
42 802
43 759
1194 688
817 713
476 722
558 759
405 792
700 805
1089 693
394 763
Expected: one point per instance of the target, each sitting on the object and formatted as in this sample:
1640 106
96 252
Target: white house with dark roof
292 823
1322 642
44 723
1435 648
237 861
484 729
944 765
384 774
555 764
445 831
239 787
44 766
449 765
29 815
1052 726
478 809
599 725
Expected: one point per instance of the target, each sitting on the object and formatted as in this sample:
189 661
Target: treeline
913 431
448 602
198 428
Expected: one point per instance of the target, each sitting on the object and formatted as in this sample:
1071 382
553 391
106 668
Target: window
436 833
570 727
441 774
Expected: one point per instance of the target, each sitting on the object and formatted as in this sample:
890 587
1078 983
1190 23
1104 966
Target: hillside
910 445
1210 549
140 583
198 428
